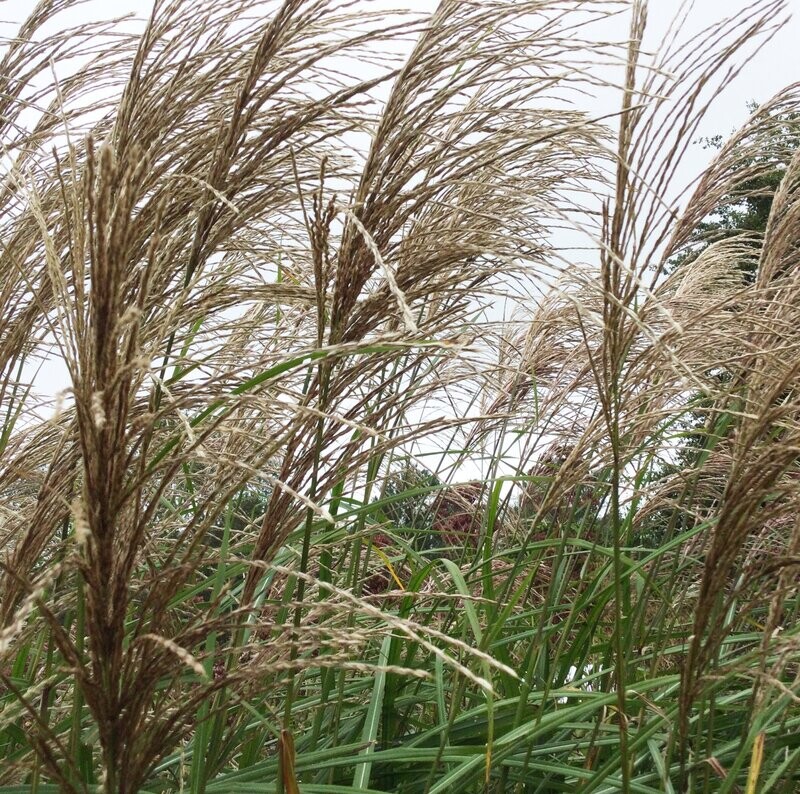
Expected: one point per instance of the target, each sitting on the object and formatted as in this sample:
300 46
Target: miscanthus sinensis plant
270 243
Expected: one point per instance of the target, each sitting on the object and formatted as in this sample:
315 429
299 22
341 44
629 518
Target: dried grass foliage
243 292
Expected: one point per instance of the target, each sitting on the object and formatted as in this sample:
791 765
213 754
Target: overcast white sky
777 65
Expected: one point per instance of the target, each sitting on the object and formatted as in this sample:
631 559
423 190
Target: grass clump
312 514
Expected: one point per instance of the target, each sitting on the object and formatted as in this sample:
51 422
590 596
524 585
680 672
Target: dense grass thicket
423 433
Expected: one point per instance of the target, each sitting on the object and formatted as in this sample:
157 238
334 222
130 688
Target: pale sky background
774 67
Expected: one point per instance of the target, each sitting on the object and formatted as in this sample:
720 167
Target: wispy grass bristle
379 417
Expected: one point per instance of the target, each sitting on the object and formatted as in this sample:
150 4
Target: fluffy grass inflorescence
315 514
